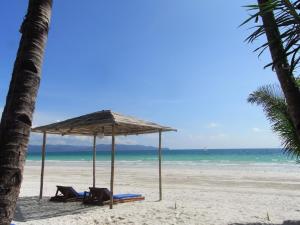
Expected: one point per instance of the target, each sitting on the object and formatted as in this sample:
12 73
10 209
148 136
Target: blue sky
178 63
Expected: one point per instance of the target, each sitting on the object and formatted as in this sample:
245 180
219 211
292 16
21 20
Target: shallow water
183 156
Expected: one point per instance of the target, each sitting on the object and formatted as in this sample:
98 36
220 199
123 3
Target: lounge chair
96 196
67 194
101 196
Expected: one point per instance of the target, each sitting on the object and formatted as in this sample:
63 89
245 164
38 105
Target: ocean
196 156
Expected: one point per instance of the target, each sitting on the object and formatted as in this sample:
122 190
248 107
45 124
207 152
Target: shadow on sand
288 222
30 208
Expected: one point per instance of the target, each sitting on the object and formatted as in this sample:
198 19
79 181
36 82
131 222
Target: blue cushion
82 193
122 196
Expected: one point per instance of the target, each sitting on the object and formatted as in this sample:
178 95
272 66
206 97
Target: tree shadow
31 208
287 222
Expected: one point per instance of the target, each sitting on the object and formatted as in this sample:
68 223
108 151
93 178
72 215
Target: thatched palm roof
100 123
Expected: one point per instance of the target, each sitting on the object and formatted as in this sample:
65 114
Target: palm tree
20 103
284 47
287 19
271 98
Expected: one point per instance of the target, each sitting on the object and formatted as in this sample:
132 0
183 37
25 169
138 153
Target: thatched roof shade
100 123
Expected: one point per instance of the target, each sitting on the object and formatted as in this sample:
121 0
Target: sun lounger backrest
68 192
101 193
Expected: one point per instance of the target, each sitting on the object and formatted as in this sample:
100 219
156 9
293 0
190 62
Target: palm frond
287 18
271 98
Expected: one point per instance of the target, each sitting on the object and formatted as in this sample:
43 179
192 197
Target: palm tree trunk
20 103
281 65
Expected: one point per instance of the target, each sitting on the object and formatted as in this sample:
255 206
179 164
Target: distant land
100 147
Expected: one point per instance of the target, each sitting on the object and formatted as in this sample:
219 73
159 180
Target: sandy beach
192 107
195 194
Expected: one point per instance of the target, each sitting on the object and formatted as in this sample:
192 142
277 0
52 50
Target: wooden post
43 164
159 166
112 171
94 161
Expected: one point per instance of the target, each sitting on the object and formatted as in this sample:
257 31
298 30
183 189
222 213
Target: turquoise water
192 155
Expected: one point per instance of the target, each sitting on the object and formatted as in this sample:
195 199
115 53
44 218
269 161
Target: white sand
203 194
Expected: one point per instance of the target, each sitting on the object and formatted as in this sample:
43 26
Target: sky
179 63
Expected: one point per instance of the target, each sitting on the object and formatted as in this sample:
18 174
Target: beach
203 193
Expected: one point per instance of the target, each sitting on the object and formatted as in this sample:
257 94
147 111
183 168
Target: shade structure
102 123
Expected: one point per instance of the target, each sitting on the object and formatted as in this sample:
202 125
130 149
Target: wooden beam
112 171
159 166
43 164
94 161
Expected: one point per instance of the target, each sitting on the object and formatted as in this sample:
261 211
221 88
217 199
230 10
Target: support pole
43 164
112 167
94 161
159 166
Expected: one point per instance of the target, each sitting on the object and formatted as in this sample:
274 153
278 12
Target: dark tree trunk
281 65
20 103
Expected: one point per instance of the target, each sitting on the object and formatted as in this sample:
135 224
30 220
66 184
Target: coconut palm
286 18
281 25
271 98
20 103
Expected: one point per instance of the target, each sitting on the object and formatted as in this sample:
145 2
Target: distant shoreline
122 147
83 148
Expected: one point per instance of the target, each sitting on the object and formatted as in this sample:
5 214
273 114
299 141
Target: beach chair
67 194
96 196
101 196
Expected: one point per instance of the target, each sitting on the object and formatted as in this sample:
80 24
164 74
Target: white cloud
256 130
220 139
215 137
181 140
218 136
36 139
213 125
42 118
